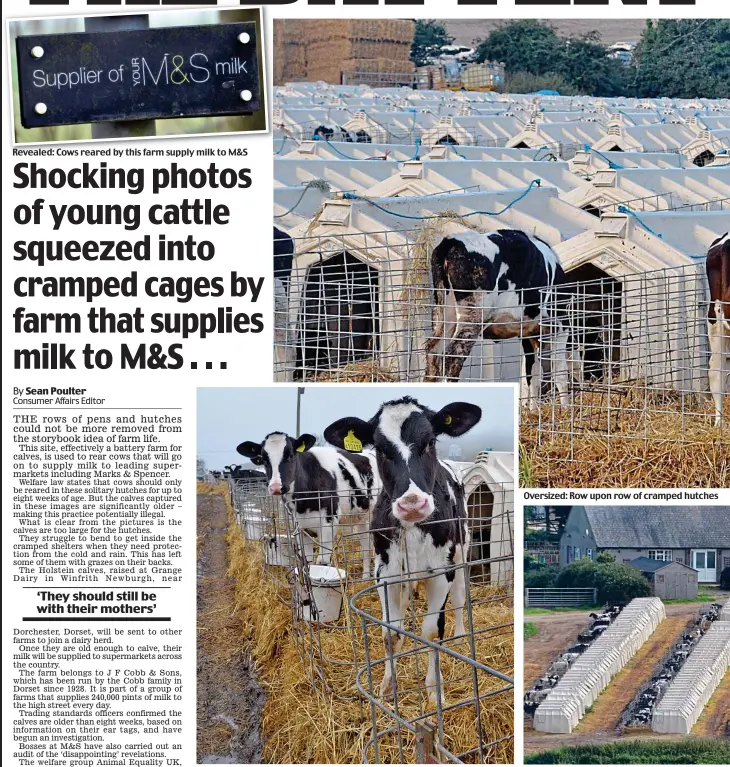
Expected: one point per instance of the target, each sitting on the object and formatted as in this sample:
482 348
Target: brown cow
718 320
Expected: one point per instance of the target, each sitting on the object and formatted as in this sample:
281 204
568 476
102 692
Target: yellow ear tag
352 443
447 420
300 449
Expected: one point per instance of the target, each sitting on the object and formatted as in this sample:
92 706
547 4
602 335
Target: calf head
403 433
277 454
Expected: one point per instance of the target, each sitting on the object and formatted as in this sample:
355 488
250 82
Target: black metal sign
138 74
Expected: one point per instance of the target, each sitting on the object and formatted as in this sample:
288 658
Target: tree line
674 58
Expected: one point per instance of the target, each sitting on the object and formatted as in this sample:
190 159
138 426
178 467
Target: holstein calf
283 257
718 320
495 280
238 472
322 486
419 522
285 360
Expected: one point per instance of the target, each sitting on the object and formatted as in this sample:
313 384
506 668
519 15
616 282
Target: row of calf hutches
591 673
696 681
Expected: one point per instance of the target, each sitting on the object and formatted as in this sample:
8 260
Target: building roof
675 527
646 565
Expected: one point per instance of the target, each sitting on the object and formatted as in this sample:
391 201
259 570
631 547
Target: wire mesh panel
439 680
364 309
639 355
607 355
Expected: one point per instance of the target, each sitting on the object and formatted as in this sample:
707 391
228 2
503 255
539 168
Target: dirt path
556 631
229 697
716 715
620 692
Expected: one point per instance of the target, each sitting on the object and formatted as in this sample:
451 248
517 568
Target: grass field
531 630
638 752
549 611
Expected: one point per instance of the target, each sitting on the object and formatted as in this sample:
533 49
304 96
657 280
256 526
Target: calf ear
350 433
304 442
456 419
249 449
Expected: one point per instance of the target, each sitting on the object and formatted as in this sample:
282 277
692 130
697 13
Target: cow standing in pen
419 523
324 487
489 286
718 321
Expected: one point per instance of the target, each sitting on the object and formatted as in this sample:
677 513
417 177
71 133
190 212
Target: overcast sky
228 416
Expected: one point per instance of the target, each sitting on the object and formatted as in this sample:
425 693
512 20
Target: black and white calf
488 286
718 320
419 524
331 132
322 486
238 472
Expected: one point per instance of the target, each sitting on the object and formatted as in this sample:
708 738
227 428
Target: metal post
123 128
425 736
300 392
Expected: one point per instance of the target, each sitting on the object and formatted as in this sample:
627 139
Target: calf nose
275 488
412 501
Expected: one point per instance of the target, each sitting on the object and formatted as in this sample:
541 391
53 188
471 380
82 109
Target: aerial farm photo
627 635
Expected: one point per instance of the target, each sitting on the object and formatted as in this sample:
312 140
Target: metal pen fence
338 621
609 355
560 597
640 354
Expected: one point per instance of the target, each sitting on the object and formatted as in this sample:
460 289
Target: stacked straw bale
290 50
324 49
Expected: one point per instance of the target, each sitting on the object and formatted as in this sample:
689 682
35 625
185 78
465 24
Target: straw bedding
658 448
304 725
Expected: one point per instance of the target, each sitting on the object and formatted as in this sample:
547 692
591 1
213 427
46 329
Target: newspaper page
436 473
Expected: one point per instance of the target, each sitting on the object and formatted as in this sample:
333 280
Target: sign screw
40 108
244 38
36 52
246 95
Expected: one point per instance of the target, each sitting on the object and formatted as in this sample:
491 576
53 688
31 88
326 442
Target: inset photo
165 73
450 206
627 635
356 563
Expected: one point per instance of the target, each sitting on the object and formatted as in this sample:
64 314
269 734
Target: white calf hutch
692 688
591 672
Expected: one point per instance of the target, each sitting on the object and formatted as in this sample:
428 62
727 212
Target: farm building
695 536
669 580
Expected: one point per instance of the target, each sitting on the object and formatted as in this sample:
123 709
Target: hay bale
386 30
